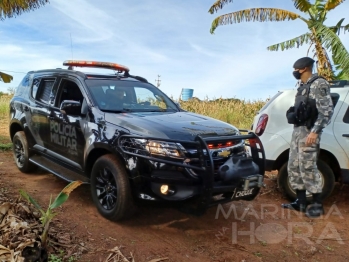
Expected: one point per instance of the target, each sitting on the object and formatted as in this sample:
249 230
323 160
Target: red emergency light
220 145
105 65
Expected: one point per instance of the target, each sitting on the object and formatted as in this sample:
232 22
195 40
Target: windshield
129 96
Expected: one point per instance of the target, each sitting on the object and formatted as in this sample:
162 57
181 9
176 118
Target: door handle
345 135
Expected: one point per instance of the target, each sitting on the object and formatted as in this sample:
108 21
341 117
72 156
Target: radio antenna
71 46
158 81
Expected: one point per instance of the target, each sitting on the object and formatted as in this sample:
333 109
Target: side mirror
70 107
84 107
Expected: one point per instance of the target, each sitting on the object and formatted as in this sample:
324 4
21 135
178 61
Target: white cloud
168 38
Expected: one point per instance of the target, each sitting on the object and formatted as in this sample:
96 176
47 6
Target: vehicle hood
178 125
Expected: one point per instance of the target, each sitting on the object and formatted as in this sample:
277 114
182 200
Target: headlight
161 148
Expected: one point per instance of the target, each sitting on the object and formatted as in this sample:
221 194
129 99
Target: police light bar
105 65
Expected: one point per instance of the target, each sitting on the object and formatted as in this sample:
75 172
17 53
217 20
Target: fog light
164 189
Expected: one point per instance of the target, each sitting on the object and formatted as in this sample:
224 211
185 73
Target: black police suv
129 141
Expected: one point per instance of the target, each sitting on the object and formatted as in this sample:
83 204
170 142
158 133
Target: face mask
297 75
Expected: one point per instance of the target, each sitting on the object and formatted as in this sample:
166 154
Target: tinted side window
36 83
335 98
69 90
22 86
46 94
25 81
346 116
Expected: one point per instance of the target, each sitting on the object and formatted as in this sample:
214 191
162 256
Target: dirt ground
239 231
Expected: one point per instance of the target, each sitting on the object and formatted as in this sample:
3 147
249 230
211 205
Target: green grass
4 105
59 258
5 141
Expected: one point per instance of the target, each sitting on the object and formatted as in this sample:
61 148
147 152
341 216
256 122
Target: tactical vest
304 111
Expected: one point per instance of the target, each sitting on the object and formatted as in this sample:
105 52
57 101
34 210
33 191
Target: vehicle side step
58 170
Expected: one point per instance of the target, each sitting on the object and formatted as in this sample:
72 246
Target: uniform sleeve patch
323 91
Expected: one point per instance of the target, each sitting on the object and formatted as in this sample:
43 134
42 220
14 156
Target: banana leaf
5 77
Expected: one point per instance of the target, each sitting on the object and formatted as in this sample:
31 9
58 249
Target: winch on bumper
211 170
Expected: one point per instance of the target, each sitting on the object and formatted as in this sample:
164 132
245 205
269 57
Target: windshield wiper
124 110
155 110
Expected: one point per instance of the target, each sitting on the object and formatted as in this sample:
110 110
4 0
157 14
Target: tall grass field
239 113
5 141
4 106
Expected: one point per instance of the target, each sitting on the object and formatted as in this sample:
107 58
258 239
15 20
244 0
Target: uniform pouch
302 112
291 116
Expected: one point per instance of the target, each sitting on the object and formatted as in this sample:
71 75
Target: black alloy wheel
106 189
21 153
110 188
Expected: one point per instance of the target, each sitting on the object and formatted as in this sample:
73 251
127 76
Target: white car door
341 120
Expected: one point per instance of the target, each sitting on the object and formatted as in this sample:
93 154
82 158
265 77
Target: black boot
315 209
300 204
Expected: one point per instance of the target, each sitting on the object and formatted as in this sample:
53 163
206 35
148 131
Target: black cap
303 62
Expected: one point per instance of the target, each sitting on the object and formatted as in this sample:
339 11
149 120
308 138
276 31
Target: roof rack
106 65
139 78
339 83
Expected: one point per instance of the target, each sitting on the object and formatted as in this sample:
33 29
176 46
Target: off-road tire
21 153
109 174
326 173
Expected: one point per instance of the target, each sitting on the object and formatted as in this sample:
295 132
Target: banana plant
324 38
12 8
5 77
48 215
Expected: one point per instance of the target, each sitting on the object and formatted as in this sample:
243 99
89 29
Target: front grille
194 157
218 160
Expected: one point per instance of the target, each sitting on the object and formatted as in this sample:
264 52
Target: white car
270 124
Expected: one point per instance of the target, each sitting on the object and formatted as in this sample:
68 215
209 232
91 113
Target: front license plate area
240 193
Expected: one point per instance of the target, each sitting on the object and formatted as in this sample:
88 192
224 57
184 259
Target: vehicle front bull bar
206 167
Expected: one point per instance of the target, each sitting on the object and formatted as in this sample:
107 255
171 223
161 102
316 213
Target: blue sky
169 38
